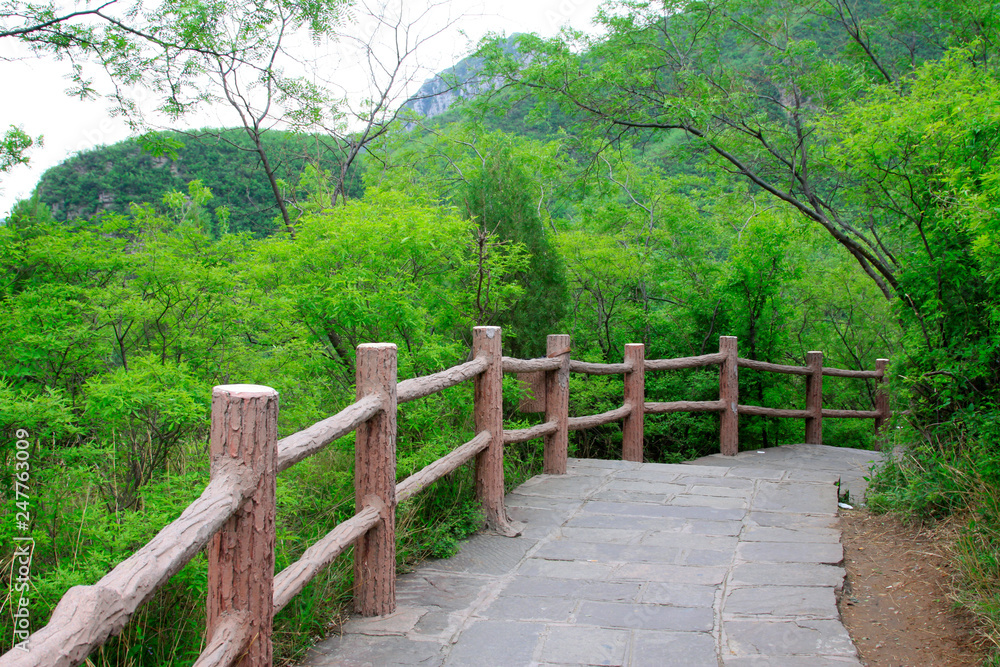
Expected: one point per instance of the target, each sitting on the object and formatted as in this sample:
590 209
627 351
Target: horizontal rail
590 421
755 365
229 641
87 616
419 387
772 412
684 362
840 372
512 365
598 369
310 440
851 414
444 465
289 582
684 406
522 434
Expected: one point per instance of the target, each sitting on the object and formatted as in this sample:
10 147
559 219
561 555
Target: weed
957 475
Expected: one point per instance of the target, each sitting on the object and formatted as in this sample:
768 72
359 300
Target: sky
69 125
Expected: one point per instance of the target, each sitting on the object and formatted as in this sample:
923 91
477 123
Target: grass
955 479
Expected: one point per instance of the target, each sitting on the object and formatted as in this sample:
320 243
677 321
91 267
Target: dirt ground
896 601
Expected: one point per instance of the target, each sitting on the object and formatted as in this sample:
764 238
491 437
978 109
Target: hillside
463 90
112 178
461 81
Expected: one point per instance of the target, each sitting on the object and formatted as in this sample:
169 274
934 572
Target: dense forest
802 175
113 178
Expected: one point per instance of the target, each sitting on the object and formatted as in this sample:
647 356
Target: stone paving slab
806 463
782 601
781 638
727 561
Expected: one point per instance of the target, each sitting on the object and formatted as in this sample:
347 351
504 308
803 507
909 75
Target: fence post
488 392
729 394
635 394
557 406
814 398
244 432
881 399
375 482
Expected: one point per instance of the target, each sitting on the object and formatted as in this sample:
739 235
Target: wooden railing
234 518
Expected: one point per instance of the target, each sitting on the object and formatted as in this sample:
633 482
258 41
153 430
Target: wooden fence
234 517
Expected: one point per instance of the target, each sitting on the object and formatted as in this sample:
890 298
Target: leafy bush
138 419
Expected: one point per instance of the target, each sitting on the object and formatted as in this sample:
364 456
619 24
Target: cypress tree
499 197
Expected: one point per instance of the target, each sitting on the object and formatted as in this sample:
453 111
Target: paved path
734 563
849 466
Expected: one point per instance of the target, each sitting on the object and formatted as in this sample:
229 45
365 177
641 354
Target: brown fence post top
489 332
244 390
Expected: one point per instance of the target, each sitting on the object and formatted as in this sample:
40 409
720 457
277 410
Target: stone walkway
731 561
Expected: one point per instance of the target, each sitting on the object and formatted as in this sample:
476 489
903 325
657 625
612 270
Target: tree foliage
928 159
114 177
499 197
746 83
14 147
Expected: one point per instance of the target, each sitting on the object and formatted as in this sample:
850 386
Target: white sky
34 95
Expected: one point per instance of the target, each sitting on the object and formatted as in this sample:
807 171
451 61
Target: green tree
382 269
758 309
928 159
510 186
744 84
14 147
498 196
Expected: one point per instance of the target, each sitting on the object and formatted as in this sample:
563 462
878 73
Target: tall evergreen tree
499 197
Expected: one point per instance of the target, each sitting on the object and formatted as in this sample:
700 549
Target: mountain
112 178
462 81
